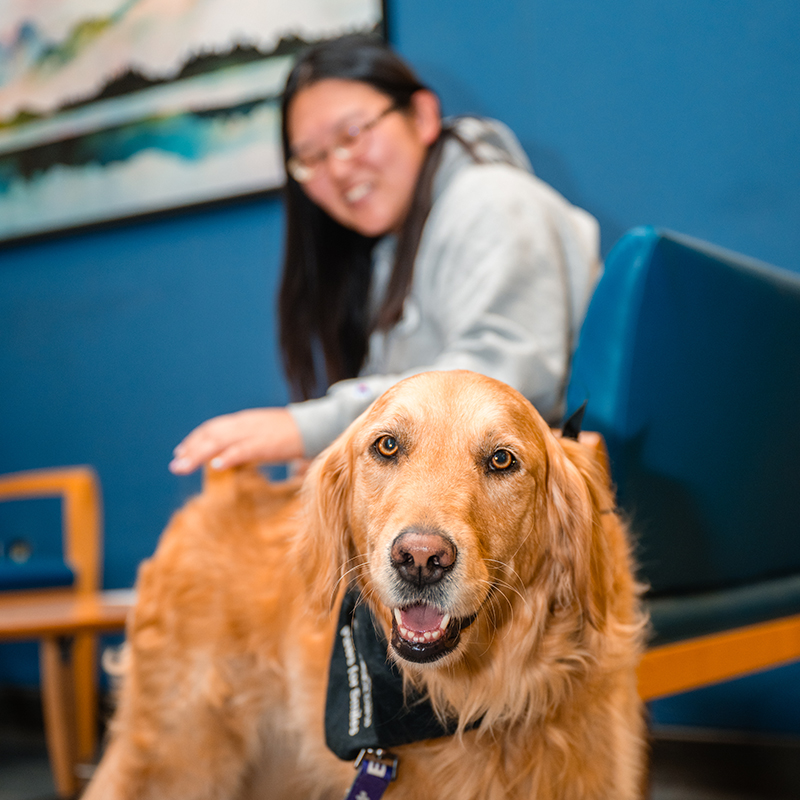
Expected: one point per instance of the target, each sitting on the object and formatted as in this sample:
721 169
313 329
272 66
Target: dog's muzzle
422 633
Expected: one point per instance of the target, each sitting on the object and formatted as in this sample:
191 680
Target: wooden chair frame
705 660
66 621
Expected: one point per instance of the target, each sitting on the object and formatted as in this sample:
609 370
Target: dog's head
448 500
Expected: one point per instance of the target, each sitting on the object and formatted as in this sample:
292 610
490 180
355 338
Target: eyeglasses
349 143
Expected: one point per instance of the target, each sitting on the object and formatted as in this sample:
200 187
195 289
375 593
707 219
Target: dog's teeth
420 637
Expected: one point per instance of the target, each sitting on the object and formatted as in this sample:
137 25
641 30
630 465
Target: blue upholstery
690 361
32 546
36 573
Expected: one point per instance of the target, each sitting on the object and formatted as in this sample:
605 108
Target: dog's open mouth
422 633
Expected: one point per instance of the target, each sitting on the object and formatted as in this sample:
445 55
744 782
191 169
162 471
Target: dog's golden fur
224 687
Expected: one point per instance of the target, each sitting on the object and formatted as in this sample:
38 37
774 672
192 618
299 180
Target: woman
412 244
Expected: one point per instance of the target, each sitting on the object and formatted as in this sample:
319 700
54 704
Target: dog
488 553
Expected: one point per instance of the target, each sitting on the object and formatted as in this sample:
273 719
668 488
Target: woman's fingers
254 435
239 453
203 443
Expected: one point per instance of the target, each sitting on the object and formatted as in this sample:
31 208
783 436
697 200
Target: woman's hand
257 434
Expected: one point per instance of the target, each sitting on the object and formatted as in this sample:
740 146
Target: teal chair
689 360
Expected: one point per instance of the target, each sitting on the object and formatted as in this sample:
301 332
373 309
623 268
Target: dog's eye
501 460
387 446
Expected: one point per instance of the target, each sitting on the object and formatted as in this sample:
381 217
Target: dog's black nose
422 558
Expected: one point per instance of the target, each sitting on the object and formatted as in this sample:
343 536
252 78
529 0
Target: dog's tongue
421 618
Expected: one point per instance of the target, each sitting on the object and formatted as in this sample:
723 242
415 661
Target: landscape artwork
115 108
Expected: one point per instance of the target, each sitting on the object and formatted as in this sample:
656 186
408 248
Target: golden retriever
487 550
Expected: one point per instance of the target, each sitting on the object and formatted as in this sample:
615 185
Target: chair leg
84 664
55 655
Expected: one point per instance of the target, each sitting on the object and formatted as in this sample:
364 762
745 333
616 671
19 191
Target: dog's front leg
192 702
178 742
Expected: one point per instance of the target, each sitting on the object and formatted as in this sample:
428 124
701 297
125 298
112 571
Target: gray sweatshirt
502 278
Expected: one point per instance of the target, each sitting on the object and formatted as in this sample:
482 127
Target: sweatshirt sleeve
502 278
321 420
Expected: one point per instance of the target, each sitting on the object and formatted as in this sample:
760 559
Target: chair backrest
79 564
689 358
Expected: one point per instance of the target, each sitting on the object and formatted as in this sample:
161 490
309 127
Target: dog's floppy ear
322 548
577 493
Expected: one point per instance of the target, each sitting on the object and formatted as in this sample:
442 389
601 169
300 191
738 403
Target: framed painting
117 108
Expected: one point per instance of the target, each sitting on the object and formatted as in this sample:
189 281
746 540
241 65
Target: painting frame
202 132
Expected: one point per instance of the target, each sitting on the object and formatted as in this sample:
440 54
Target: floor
684 766
713 765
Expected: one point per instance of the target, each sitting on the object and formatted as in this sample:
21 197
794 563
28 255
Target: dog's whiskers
506 589
523 541
352 569
366 595
506 583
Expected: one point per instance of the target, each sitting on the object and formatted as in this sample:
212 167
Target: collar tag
376 770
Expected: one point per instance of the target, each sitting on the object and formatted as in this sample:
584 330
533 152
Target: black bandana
366 706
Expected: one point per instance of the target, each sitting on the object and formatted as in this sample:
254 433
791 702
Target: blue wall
681 114
115 343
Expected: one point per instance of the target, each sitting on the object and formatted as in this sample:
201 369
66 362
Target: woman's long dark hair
323 302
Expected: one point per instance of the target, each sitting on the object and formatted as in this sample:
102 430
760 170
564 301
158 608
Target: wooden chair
688 362
67 618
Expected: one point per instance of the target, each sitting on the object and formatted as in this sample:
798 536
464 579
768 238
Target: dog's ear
577 494
322 547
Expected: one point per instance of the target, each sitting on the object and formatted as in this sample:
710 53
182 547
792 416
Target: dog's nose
422 558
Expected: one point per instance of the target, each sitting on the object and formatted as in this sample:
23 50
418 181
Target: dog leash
376 769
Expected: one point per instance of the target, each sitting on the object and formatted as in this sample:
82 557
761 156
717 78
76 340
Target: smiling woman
413 243
370 189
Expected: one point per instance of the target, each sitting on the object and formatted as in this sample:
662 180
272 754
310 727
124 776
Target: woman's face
371 191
